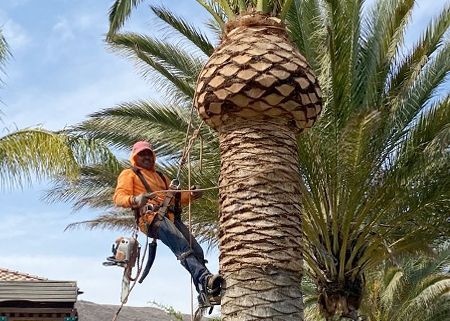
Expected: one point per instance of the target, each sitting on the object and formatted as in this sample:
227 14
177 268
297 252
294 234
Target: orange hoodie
129 185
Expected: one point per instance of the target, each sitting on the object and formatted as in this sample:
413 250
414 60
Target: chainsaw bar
125 285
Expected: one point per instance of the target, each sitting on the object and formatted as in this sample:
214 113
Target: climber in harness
159 217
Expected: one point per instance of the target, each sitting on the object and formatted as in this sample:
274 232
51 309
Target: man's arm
194 195
123 196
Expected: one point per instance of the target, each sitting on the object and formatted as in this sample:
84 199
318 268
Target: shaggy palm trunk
259 93
260 225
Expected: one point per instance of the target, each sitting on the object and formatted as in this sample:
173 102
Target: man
131 192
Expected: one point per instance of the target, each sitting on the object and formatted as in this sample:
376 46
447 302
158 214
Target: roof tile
8 275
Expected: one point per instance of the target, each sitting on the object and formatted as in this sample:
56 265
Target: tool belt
149 216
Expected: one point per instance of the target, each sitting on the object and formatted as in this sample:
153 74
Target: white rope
190 231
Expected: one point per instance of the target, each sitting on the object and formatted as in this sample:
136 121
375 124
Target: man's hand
196 194
141 199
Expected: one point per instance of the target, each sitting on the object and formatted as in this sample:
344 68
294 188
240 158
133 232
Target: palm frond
119 220
35 153
119 13
410 104
175 69
5 54
121 126
407 69
382 38
189 32
415 289
93 188
215 10
308 31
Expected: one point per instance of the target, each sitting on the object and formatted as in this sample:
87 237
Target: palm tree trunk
260 222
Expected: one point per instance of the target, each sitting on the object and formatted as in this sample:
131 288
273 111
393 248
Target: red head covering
139 147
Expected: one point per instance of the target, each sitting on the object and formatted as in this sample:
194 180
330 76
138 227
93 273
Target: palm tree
373 171
415 289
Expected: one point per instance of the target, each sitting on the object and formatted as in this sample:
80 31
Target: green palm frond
176 70
411 101
382 40
5 54
121 126
119 220
93 188
119 13
308 31
35 153
406 70
217 13
195 36
422 290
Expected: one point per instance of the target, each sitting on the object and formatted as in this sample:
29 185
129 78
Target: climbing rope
190 231
187 147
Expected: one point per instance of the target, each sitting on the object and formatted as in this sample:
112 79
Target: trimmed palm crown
257 74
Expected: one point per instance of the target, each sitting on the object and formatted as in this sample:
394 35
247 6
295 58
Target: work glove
196 194
141 199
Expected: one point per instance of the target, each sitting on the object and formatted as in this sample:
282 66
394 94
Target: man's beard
147 163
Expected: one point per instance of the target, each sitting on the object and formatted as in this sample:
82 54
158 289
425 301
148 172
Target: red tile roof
8 275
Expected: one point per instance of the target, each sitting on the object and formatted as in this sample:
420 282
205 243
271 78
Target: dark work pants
176 237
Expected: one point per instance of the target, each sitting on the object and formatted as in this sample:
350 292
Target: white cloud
86 21
63 30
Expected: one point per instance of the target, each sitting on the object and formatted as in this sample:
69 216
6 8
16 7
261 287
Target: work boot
214 284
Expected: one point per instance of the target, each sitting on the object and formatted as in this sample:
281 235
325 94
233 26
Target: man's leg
198 251
174 239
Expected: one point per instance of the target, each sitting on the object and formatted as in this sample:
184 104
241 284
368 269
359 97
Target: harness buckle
150 208
175 184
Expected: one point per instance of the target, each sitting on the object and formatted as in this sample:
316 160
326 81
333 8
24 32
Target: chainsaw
126 253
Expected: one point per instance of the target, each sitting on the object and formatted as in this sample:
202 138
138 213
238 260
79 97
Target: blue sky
61 72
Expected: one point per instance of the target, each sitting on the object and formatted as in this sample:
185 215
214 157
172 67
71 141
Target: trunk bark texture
258 92
260 223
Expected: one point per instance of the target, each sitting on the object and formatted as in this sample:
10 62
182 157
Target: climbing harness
126 251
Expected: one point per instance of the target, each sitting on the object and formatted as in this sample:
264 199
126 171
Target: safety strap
137 171
168 198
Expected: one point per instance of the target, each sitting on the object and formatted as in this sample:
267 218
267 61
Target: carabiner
175 184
